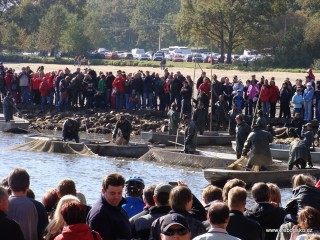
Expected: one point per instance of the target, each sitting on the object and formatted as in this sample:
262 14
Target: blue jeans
44 102
148 96
128 104
119 101
63 104
266 109
307 110
25 92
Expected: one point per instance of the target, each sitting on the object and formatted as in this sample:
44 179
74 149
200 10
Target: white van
136 52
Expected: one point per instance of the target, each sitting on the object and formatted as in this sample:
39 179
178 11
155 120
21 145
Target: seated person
71 130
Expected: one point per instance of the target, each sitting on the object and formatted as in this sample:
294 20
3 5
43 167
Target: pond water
47 169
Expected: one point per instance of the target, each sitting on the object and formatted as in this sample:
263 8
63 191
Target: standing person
24 83
25 211
238 100
201 79
107 216
227 92
74 216
308 101
118 85
239 225
200 117
216 88
258 145
274 97
148 87
253 95
159 92
71 130
205 86
186 95
265 99
264 212
297 101
246 103
166 88
221 112
8 107
103 89
242 132
134 190
232 119
163 63
109 81
175 89
174 119
218 215
190 135
122 131
317 98
10 230
284 97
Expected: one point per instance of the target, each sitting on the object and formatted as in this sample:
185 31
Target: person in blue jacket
134 190
308 100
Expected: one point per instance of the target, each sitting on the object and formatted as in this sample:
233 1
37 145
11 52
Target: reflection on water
47 169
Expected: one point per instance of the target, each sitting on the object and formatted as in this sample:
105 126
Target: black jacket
243 227
9 229
111 222
268 216
125 129
143 224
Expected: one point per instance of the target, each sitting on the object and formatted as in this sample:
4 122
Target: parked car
197 58
214 58
157 57
103 51
177 58
144 57
126 55
188 58
112 55
96 55
168 56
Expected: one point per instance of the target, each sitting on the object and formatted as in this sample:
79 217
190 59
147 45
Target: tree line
285 30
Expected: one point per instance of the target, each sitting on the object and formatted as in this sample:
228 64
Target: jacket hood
77 232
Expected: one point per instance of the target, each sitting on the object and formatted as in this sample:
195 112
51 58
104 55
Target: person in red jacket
8 80
74 215
265 99
119 87
274 97
205 86
35 84
44 92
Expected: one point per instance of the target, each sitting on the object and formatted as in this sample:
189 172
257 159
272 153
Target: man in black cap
175 225
122 137
71 130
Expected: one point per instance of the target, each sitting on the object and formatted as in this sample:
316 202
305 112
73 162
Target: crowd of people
144 90
159 211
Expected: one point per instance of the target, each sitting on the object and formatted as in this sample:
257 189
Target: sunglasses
180 232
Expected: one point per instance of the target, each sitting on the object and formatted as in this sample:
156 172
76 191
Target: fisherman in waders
200 117
8 107
174 119
242 132
299 155
121 133
190 135
71 130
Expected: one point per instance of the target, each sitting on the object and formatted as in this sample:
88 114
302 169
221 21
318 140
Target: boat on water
277 173
102 148
281 151
17 125
208 138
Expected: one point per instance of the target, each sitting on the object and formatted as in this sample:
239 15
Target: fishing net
176 158
52 146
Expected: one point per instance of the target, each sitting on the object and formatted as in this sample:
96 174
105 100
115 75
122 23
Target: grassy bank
253 66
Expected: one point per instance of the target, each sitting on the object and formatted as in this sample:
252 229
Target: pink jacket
253 91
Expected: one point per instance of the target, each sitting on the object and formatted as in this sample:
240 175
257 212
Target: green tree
154 17
51 28
10 37
73 39
223 21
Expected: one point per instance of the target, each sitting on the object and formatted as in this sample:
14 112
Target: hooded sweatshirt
78 231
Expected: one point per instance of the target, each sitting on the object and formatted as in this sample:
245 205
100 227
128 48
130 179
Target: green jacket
102 85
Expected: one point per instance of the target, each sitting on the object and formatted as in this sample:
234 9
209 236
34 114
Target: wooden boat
101 148
277 173
202 159
209 138
17 125
281 151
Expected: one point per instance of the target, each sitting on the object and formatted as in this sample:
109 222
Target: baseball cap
173 219
162 188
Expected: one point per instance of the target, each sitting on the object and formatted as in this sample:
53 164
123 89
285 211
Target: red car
177 58
112 55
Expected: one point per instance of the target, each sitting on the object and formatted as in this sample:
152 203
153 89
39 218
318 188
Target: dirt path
280 76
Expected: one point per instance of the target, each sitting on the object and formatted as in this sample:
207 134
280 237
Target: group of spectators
162 211
145 90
